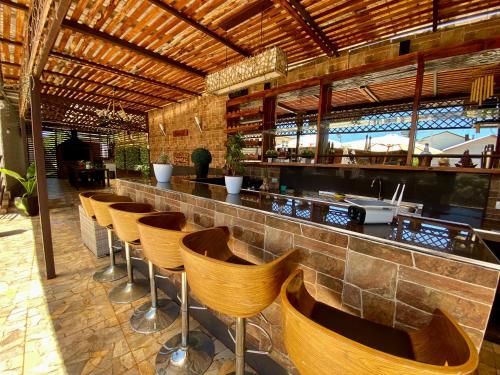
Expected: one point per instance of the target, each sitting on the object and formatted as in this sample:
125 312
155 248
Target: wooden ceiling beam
8 63
118 88
370 95
65 101
12 42
286 108
52 33
435 15
122 73
245 14
85 30
174 12
14 5
77 91
309 25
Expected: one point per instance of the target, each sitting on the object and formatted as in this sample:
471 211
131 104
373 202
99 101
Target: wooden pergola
66 58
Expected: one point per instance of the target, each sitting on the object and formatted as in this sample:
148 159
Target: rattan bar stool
190 352
321 340
229 284
124 217
97 205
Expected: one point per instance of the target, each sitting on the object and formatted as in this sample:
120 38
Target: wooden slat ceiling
157 52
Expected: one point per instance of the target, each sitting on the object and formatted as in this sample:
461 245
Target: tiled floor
67 325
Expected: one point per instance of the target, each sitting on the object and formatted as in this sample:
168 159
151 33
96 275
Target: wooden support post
419 80
43 198
325 104
300 123
269 123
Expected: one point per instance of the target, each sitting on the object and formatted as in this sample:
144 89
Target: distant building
443 140
475 146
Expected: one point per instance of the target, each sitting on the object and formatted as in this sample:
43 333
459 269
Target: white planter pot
163 172
233 184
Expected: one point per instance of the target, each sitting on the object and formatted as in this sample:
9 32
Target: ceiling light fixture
111 113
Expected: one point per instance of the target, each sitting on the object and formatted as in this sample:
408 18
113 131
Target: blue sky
420 134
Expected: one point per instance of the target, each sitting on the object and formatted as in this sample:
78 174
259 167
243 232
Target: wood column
300 122
419 80
43 198
325 104
269 123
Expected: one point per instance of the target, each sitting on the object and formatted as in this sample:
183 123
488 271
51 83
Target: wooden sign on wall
181 158
180 133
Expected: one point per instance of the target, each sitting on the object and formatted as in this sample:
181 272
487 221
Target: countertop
446 239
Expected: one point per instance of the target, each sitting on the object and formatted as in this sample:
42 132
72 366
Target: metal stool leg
240 348
155 315
113 271
188 353
131 290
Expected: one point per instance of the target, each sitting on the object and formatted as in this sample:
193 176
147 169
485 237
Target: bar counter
392 274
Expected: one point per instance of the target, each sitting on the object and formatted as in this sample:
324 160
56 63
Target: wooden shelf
386 167
244 113
256 127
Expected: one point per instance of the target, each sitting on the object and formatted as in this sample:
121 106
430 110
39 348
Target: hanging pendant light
269 64
111 114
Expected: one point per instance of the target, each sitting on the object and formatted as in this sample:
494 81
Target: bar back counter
395 275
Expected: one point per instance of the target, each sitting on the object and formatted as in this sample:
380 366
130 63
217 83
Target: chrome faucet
379 187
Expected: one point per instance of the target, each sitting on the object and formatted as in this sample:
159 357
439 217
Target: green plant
307 154
201 155
163 159
28 182
144 169
272 153
234 155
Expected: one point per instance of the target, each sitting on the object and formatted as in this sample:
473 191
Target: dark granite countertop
441 238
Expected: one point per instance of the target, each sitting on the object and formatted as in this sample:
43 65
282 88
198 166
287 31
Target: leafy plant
307 154
234 155
28 182
201 155
271 153
144 169
163 159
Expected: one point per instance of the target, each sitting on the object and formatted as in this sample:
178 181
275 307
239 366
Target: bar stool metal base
195 359
148 319
110 273
128 292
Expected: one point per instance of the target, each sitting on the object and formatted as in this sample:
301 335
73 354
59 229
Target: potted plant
234 165
163 169
271 155
28 202
144 169
201 158
306 156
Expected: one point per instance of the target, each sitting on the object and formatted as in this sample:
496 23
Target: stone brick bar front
395 275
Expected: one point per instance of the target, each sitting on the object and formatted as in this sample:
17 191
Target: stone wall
211 111
11 145
382 283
